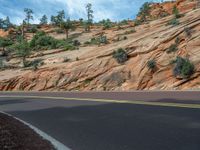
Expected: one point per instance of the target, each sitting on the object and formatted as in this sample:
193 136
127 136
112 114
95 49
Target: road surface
92 121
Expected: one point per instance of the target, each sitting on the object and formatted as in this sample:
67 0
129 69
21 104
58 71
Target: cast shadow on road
15 101
178 101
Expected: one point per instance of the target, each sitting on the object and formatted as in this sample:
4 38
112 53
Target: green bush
107 24
188 32
174 22
23 50
172 48
144 12
183 67
33 29
130 31
4 43
123 22
176 13
120 55
76 43
69 47
97 41
151 64
177 41
137 22
43 41
103 40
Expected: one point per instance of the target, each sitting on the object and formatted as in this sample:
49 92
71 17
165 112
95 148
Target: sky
115 10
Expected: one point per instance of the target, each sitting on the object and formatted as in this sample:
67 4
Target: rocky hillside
152 50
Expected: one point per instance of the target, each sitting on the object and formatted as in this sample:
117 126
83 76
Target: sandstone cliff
97 70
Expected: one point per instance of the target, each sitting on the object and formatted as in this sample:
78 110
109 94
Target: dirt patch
16 136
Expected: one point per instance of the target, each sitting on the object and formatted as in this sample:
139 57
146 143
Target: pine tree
44 20
89 16
29 15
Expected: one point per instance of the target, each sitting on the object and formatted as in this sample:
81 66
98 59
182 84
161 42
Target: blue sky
113 9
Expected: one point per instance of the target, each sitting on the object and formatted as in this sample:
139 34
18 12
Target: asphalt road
90 125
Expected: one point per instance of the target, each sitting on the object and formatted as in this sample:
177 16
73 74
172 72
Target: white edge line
58 145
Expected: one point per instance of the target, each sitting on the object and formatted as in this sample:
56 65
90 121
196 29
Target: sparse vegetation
44 20
107 24
183 68
120 55
23 50
29 15
172 48
130 31
144 12
97 41
188 32
174 22
57 20
5 23
151 64
176 12
5 42
42 41
67 25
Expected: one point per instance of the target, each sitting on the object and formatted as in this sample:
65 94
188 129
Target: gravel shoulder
14 135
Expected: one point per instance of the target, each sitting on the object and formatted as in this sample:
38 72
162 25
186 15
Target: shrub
144 12
87 43
174 22
5 42
123 22
131 31
172 48
66 59
183 67
76 43
34 64
137 22
69 47
43 41
97 41
177 41
103 39
23 50
151 64
120 55
33 29
107 24
125 37
176 13
188 32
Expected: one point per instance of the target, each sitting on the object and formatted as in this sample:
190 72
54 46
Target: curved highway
112 121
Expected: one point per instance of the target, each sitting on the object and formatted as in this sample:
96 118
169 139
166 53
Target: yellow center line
164 104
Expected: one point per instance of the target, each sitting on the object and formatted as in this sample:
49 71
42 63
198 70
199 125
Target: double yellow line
164 104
